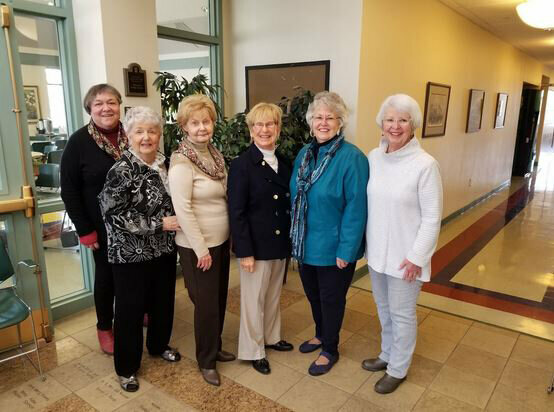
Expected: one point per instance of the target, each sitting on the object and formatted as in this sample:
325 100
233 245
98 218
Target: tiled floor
458 364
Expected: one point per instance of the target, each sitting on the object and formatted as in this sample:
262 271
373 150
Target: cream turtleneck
270 158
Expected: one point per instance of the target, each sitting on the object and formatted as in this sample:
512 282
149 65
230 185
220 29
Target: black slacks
103 289
145 287
326 288
208 291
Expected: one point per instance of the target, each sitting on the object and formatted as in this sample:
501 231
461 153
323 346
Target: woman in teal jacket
329 212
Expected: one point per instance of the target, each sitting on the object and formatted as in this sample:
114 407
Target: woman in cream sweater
197 181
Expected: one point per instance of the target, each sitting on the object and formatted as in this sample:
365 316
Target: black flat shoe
262 366
388 384
223 356
281 346
374 365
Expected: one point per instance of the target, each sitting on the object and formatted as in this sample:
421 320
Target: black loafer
308 347
374 365
224 356
262 366
281 346
388 384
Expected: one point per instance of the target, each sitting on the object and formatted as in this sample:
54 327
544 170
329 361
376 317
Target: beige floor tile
454 318
358 348
296 360
179 283
302 306
432 401
421 315
463 386
295 322
346 375
182 301
506 398
89 338
185 314
233 369
443 328
33 395
524 377
489 340
272 386
69 403
372 330
433 347
154 400
351 292
231 326
354 320
77 322
62 351
362 302
356 404
423 371
534 352
471 360
15 372
186 345
59 334
181 328
403 399
495 329
107 395
83 371
312 395
423 309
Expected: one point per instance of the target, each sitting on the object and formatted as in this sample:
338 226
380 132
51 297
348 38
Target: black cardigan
259 206
83 171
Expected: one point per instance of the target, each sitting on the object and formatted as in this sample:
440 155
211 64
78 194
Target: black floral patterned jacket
133 203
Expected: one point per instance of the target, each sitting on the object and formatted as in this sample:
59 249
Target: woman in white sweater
198 180
404 217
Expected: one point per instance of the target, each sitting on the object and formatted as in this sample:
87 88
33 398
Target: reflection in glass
46 2
183 58
190 15
63 260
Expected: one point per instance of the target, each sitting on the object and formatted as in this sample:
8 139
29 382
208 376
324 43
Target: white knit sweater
404 196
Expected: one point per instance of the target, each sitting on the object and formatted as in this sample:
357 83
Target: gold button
277 232
275 197
263 162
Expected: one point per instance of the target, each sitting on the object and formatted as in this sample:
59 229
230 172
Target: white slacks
396 305
260 314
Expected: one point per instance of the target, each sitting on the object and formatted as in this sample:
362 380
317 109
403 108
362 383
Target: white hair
401 103
333 102
142 114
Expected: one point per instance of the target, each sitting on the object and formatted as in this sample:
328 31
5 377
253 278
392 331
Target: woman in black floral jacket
141 224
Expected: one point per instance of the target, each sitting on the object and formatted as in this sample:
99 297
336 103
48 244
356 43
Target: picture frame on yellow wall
475 110
500 115
437 98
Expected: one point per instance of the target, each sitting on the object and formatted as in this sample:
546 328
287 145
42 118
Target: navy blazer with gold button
259 206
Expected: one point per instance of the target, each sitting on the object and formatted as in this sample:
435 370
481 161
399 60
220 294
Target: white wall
110 35
35 76
285 31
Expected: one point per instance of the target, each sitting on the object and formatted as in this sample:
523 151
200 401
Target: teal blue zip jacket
337 206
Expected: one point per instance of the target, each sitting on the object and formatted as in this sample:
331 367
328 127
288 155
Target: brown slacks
208 291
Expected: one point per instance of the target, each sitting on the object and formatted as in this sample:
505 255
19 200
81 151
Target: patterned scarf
304 181
215 171
104 143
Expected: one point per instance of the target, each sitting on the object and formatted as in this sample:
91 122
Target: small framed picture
32 103
500 116
475 110
437 98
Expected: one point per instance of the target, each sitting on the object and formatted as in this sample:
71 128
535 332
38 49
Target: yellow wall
405 44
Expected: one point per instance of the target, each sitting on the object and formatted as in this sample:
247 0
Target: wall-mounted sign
135 81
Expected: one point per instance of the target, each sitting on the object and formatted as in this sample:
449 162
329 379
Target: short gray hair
401 103
142 114
335 104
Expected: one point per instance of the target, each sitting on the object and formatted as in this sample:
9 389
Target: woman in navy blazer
259 213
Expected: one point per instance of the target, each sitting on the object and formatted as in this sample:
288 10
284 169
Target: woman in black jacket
259 213
90 152
140 225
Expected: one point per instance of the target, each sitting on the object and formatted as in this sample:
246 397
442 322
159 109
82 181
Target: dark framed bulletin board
269 83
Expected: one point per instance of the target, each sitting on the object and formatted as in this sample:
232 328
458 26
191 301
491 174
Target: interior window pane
47 2
183 58
190 15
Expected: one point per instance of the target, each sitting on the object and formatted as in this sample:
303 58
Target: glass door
19 220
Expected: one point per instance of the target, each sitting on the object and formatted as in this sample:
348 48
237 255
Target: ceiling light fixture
537 13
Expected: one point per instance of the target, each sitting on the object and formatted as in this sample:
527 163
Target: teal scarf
305 179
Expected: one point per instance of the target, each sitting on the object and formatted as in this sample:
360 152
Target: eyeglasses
328 119
269 125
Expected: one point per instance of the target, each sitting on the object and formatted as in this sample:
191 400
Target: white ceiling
500 18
